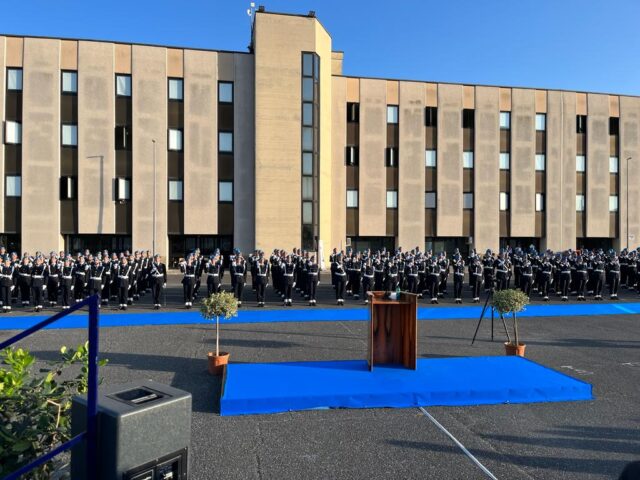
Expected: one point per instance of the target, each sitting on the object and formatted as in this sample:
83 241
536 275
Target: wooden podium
393 330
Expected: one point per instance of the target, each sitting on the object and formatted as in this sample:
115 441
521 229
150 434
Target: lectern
393 329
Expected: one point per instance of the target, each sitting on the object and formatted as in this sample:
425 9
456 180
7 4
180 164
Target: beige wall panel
278 132
449 171
541 101
523 151
3 42
393 95
560 201
68 55
373 140
629 147
581 104
353 90
122 54
41 145
336 63
226 66
244 154
614 106
175 62
598 166
149 91
14 52
468 99
431 95
339 142
200 143
505 99
96 139
411 167
486 171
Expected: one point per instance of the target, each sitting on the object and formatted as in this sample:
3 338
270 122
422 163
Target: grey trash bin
144 432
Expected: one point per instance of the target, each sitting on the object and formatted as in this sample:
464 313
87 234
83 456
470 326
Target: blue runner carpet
253 388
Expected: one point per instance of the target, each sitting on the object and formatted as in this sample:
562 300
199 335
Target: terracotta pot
511 349
217 364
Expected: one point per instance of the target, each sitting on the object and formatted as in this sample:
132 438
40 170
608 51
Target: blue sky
591 45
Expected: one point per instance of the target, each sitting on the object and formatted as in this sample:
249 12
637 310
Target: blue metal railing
90 435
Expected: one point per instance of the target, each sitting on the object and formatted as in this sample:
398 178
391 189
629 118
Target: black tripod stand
484 309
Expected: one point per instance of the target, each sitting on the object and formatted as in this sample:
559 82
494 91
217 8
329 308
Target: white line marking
462 447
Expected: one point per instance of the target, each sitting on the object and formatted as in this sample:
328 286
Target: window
67 188
307 163
307 188
351 158
353 112
122 141
430 158
307 89
123 189
430 200
467 201
467 159
541 122
581 163
581 124
468 118
541 162
307 64
225 191
175 190
123 85
392 114
430 117
69 135
307 114
225 142
614 126
69 82
176 88
175 140
504 201
539 202
352 198
307 213
307 139
613 164
12 132
14 79
613 203
392 199
13 186
579 203
225 92
505 120
504 161
391 156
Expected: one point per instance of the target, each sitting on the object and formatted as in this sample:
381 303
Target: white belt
25 274
600 271
96 278
313 273
38 276
565 271
210 274
80 273
53 275
123 276
461 274
237 274
5 276
528 274
288 274
262 274
158 275
393 274
190 276
67 278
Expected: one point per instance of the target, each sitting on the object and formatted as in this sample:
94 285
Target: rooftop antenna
251 13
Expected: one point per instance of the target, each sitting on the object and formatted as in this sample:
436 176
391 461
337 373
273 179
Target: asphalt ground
574 440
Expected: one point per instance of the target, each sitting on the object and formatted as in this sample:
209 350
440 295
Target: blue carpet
271 315
283 387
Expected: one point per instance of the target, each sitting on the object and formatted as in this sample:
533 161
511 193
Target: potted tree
225 305
511 301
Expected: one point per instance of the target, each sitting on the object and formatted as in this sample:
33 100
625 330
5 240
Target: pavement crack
258 446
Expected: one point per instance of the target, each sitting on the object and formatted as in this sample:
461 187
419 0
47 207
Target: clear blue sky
591 45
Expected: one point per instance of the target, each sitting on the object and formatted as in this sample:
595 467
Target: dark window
123 137
581 124
68 188
468 118
351 156
614 126
391 156
430 117
353 112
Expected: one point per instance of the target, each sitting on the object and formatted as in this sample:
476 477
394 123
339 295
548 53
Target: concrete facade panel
449 171
149 92
41 145
486 171
200 142
122 58
614 106
68 55
14 51
175 62
96 140
411 229
431 95
353 90
468 96
581 104
226 66
393 92
339 142
505 99
597 166
629 197
523 150
373 140
541 101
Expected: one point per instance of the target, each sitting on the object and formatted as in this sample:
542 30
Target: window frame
617 164
226 182
427 153
127 76
126 183
544 162
542 116
18 129
220 134
175 79
430 194
62 128
393 196
68 92
467 195
505 115
226 102
393 116
71 193
18 189
179 181
617 203
357 198
508 157
181 132
431 117
584 164
14 69
503 201
465 156
583 202
539 202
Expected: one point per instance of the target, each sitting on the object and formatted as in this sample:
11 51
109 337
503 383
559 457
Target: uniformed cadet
565 278
7 278
458 277
188 269
476 278
341 279
313 280
289 276
213 270
391 273
38 283
526 275
262 279
598 276
613 268
80 274
488 266
53 280
581 277
125 280
158 279
433 279
24 280
96 278
238 272
66 282
501 269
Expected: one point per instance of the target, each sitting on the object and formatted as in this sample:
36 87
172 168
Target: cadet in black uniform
24 280
238 270
80 275
341 279
581 277
125 280
458 277
313 280
53 281
96 278
262 279
66 282
7 277
288 272
188 268
38 283
614 276
475 278
158 279
213 269
565 278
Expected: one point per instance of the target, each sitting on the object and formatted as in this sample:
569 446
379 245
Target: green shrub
222 304
510 301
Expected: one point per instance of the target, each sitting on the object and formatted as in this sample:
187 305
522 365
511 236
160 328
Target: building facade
112 145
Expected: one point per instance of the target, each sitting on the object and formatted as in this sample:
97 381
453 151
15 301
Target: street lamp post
627 200
154 197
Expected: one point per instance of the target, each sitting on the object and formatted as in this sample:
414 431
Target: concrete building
112 145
